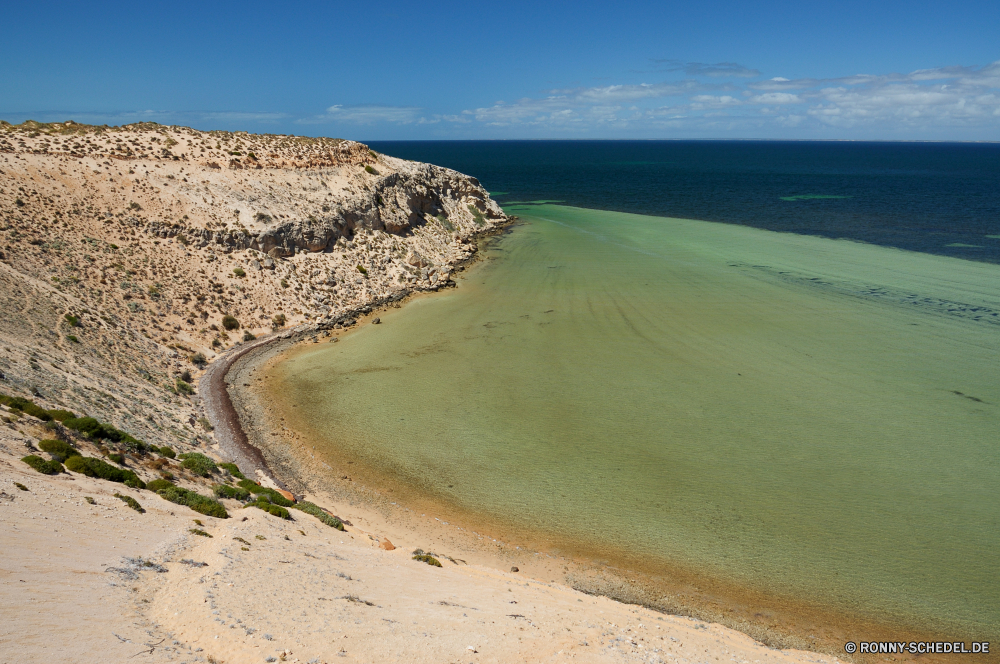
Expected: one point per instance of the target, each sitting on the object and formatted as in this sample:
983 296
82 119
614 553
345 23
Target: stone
376 321
514 569
386 545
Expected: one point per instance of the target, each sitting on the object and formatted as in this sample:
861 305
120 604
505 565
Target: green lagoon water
810 416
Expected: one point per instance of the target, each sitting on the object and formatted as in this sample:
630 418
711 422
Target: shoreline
213 387
292 463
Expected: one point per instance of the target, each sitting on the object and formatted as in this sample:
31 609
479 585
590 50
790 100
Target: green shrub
131 502
233 469
230 323
272 495
199 531
279 320
198 463
317 511
239 272
20 486
61 415
226 491
44 466
158 485
274 510
196 501
117 458
362 270
59 450
370 170
92 467
26 406
101 431
205 424
167 452
248 336
477 216
199 359
430 560
74 321
72 337
184 387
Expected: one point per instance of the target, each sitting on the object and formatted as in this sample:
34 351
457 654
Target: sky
722 69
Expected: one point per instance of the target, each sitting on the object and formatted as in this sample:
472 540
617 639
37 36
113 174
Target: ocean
938 198
787 419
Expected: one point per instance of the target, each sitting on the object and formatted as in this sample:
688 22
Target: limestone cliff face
410 197
156 239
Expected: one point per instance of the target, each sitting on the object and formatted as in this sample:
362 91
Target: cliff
131 256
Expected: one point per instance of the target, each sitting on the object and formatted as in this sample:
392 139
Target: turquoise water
803 415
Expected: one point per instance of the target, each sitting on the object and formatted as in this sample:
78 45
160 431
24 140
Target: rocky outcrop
398 203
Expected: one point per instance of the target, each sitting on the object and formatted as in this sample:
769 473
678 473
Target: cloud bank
729 99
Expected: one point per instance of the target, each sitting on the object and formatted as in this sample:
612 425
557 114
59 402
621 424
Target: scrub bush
26 406
198 463
131 502
158 485
101 431
272 495
274 510
44 466
59 450
233 470
230 323
226 491
430 560
196 501
92 467
167 452
317 511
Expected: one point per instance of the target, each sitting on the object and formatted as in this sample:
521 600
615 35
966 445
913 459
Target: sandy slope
286 586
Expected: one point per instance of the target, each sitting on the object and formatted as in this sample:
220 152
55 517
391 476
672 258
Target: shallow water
811 416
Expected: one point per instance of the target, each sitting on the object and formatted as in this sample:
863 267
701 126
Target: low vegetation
131 502
196 501
44 466
272 496
29 407
58 450
317 511
96 430
92 467
166 452
198 463
158 485
232 492
426 558
233 470
273 510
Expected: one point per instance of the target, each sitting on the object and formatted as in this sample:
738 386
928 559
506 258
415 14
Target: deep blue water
940 198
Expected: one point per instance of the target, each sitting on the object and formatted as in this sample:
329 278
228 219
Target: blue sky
389 70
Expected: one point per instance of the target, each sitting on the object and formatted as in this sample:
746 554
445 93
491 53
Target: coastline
292 459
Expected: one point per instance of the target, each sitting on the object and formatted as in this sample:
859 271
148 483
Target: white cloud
366 114
776 98
717 70
942 102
